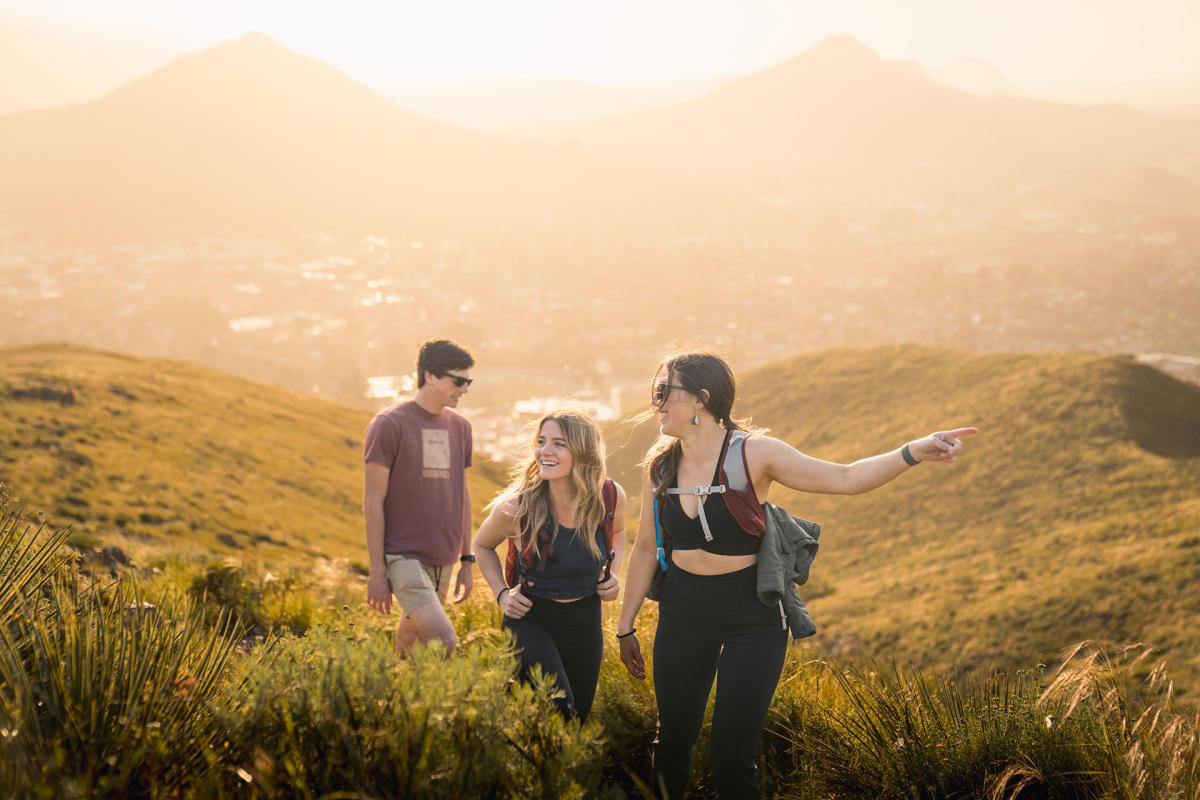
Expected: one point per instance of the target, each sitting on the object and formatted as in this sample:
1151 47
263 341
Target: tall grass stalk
895 732
1142 747
29 558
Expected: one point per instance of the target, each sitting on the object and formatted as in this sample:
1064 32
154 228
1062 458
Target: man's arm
375 483
466 570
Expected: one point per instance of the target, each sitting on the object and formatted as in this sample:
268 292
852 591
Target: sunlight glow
628 41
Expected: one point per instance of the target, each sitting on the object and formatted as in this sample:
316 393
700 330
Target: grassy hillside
147 453
1075 514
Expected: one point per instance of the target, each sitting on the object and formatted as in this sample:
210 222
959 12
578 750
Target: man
416 502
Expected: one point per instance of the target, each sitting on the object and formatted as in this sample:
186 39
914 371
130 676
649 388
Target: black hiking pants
566 641
714 625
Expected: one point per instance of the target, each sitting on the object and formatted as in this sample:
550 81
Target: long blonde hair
532 494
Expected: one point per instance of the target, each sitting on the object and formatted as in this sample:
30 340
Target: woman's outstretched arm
785 464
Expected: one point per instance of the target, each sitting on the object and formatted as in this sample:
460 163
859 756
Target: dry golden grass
154 454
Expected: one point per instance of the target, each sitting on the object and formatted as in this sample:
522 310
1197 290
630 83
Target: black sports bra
687 533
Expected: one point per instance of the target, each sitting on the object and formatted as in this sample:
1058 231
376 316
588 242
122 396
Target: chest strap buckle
700 492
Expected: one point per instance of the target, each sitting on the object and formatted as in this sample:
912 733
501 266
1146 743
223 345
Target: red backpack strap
517 550
609 492
734 472
510 564
520 553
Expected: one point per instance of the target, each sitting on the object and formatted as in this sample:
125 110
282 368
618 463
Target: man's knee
441 630
445 636
433 624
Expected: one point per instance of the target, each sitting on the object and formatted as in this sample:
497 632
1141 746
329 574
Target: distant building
389 388
591 401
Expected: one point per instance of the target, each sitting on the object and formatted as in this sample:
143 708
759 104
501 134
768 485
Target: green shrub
336 711
82 541
224 590
262 602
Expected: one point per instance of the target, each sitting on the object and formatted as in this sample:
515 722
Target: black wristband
502 591
623 635
907 455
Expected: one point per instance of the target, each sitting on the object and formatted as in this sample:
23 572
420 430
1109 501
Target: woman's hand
608 589
940 446
631 656
514 604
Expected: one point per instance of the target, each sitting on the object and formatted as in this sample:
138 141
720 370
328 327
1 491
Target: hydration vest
734 486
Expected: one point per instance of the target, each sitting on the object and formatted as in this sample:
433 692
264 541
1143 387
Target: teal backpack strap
662 554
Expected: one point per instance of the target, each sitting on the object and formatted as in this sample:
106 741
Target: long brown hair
695 371
532 494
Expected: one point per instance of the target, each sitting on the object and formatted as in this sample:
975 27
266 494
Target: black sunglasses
662 391
459 380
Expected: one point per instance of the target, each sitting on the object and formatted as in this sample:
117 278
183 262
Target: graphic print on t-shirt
435 453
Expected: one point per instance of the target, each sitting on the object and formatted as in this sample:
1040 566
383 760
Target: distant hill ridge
251 138
160 454
837 121
1074 515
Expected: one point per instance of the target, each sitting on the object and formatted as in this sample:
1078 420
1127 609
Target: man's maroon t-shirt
427 455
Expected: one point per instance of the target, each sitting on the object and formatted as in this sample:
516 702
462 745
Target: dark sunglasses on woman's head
662 391
459 380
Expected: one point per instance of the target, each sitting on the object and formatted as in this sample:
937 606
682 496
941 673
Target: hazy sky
437 42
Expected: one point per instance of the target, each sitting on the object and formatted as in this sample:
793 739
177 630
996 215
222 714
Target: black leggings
566 641
714 625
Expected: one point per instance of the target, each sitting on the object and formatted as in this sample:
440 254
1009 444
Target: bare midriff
698 562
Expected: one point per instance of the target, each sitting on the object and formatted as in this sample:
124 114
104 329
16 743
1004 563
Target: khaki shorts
415 583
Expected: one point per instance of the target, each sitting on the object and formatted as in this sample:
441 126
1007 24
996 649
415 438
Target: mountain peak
254 39
252 66
841 49
254 44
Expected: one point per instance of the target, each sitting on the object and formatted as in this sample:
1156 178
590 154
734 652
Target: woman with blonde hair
563 519
711 518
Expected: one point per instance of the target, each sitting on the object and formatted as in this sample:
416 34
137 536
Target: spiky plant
101 692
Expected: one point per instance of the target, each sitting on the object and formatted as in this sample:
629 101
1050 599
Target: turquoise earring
696 419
